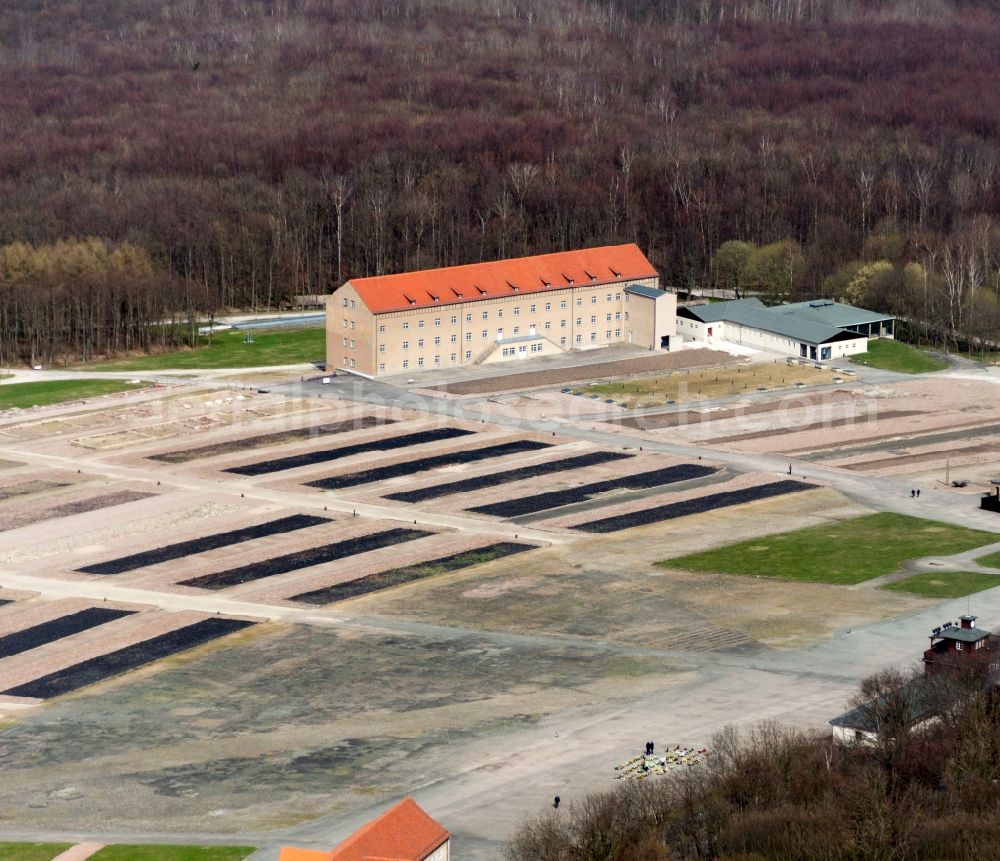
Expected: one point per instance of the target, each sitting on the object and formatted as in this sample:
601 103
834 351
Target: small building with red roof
499 311
403 833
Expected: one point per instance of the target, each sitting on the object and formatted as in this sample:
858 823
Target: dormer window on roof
480 281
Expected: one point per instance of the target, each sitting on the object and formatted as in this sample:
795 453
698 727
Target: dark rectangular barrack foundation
310 458
409 573
170 552
304 558
409 467
279 438
480 481
697 505
559 498
58 629
129 658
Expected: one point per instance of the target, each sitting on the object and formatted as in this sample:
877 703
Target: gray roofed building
964 635
920 699
834 313
846 317
756 315
821 329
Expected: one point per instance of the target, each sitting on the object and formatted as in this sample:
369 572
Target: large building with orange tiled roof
499 311
403 833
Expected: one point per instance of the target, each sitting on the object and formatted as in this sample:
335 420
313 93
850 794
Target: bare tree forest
255 150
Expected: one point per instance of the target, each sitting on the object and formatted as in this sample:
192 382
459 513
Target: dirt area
607 587
23 512
40 542
853 415
696 385
740 410
606 370
176 760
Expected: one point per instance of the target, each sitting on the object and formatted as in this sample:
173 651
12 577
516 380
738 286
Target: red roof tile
403 833
290 854
452 284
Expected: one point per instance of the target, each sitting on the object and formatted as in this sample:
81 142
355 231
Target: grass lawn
945 584
31 851
171 853
991 561
839 553
55 391
683 386
897 356
283 347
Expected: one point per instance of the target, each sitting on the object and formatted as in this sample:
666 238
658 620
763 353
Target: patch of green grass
990 561
945 584
31 851
56 391
838 553
897 356
227 350
171 853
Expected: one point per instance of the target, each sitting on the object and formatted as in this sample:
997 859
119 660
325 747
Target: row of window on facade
468 337
420 361
516 311
548 325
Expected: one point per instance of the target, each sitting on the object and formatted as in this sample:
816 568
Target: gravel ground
421 550
751 479
26 614
167 577
60 654
607 370
104 539
321 444
29 511
880 414
683 418
374 460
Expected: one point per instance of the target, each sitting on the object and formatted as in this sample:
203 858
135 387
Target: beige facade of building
453 326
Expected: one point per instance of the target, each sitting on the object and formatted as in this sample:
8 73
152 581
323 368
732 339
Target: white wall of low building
442 853
507 351
850 348
848 737
759 339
